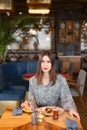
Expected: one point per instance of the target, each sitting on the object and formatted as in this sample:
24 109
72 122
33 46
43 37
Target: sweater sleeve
67 101
31 97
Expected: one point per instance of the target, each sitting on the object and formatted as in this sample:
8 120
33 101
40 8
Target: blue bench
12 85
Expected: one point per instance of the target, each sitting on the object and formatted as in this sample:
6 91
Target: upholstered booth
12 84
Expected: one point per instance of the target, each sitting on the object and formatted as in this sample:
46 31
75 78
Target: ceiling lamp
38 11
6 5
35 4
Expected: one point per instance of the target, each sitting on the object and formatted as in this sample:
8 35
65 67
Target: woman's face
46 64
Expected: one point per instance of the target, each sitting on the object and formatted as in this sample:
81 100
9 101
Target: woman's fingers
74 113
26 103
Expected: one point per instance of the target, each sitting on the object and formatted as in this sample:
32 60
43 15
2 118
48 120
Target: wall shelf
69 31
24 55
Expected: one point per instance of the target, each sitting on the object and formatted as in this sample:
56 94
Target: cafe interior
27 29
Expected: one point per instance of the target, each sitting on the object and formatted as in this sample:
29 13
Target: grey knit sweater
49 95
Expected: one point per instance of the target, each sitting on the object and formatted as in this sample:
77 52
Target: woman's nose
45 63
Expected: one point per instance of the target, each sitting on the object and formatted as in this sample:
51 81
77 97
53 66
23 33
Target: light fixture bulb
38 11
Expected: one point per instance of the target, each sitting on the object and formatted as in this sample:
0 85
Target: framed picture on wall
6 5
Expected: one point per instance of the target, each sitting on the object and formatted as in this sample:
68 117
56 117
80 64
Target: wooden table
23 122
27 76
67 76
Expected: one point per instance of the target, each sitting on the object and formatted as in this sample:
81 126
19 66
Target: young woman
47 87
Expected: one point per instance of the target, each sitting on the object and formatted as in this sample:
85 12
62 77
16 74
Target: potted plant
7 28
5 38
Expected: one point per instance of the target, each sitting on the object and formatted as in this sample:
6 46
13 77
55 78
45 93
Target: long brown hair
39 73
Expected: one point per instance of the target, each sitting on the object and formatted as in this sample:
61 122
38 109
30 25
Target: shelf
69 31
75 56
24 55
25 52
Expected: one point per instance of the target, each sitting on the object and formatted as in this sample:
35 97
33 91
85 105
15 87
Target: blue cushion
21 68
11 91
12 96
32 66
2 80
17 88
13 73
10 71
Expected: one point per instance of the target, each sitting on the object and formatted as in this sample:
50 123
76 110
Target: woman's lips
45 68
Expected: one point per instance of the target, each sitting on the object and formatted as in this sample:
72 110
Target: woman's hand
74 113
24 104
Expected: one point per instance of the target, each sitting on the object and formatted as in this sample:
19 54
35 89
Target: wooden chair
77 88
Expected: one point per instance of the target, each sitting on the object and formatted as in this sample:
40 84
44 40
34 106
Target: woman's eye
45 61
48 61
42 61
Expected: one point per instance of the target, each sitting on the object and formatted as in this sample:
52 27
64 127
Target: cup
55 114
40 117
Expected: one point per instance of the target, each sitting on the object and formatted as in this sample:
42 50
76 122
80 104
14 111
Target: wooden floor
82 109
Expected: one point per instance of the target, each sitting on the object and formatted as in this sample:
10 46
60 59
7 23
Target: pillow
32 67
10 71
2 80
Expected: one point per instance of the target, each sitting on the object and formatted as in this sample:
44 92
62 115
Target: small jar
55 114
